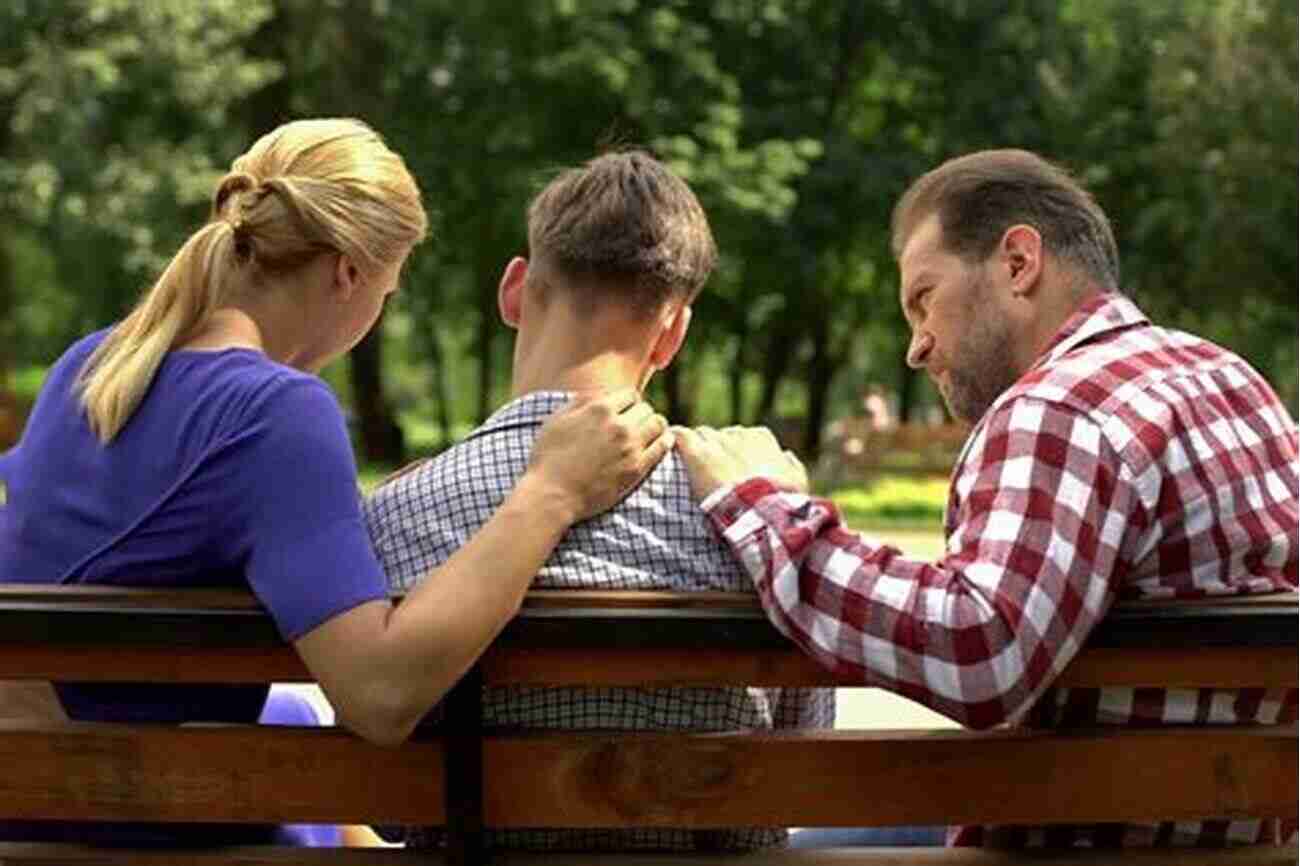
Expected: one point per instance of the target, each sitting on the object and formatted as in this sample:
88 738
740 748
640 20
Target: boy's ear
671 336
510 291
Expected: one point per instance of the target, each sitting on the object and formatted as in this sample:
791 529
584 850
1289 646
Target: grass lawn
916 543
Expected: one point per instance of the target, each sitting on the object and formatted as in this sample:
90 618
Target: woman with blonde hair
192 444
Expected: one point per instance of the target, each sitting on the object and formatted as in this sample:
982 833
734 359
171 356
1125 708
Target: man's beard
980 367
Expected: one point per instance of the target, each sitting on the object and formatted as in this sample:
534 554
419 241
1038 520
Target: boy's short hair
622 227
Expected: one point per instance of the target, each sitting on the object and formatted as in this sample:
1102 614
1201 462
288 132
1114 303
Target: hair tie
243 238
230 188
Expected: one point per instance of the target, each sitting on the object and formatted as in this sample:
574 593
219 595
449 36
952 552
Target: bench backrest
469 778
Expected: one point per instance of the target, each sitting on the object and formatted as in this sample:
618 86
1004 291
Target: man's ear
1020 258
347 277
671 334
510 291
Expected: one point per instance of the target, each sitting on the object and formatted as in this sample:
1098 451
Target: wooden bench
468 778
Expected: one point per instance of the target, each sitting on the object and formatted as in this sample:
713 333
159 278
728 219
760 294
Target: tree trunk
361 50
268 107
821 370
736 378
381 436
441 395
776 363
426 331
679 409
487 314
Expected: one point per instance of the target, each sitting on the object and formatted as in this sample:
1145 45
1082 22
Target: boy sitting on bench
619 248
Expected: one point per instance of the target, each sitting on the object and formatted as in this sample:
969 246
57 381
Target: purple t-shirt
234 471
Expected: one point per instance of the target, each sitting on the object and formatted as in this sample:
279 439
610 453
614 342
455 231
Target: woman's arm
382 667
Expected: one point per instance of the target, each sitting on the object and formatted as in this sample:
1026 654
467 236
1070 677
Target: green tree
113 115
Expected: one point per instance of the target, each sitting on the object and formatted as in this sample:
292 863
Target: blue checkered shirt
657 538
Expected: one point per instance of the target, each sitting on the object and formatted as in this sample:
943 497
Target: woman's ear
347 277
510 291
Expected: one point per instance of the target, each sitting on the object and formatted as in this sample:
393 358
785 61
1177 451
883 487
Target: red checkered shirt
1131 461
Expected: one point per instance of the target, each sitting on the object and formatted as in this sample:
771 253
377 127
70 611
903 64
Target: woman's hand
595 450
719 458
383 667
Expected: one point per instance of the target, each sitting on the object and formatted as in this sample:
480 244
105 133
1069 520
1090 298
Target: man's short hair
980 195
622 227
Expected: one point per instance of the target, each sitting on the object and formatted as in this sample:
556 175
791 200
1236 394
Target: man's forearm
951 635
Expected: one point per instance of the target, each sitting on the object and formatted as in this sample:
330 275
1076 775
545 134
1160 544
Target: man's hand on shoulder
722 458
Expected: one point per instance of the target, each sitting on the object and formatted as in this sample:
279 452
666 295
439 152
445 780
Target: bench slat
841 778
97 633
61 855
92 771
1224 667
885 778
58 854
576 619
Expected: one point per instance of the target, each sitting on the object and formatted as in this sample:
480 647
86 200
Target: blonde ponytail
305 188
121 369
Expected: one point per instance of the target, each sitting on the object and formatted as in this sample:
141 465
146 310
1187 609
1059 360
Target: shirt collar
530 410
1103 314
1098 315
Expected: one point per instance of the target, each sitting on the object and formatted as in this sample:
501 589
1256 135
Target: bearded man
1109 459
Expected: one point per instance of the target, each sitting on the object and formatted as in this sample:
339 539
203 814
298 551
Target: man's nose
918 350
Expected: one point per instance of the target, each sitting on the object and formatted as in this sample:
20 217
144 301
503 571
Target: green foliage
113 114
799 123
25 382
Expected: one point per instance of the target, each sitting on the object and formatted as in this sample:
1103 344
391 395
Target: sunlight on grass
895 500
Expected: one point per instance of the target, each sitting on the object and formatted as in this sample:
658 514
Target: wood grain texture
100 772
846 778
830 778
